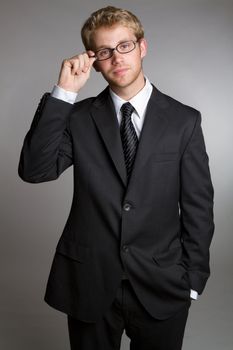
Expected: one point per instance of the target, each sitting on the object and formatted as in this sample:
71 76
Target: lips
120 71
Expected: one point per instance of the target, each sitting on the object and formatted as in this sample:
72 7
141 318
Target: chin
121 82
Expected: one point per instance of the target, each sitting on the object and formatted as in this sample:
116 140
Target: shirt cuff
193 294
64 95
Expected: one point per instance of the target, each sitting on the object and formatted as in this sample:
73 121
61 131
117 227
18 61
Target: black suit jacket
159 227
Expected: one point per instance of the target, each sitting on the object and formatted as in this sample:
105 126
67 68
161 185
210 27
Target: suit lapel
154 125
104 116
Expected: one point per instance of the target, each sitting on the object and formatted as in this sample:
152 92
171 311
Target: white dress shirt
139 102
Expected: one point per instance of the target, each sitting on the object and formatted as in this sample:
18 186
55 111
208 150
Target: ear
143 47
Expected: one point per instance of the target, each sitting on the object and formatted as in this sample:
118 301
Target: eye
125 46
103 53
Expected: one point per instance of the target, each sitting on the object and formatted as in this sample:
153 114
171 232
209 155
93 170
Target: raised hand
75 71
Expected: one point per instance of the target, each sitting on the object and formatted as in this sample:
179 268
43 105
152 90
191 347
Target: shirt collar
139 101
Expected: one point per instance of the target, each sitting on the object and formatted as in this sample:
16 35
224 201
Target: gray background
190 58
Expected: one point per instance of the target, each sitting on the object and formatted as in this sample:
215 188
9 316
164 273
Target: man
135 248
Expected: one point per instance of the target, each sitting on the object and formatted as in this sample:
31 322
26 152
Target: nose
116 56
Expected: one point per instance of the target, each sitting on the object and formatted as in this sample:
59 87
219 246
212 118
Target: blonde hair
107 17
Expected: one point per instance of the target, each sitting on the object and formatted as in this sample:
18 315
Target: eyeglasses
124 47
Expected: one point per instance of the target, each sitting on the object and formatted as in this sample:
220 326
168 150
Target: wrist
63 94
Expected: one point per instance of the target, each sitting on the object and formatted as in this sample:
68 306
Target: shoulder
82 110
87 103
176 111
83 104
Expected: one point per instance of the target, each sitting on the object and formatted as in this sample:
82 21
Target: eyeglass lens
123 47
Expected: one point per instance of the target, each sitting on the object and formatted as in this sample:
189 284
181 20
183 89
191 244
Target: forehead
111 36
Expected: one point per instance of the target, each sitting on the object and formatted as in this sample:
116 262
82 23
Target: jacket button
125 248
127 207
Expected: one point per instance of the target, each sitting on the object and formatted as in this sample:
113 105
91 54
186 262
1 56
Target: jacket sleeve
196 208
47 147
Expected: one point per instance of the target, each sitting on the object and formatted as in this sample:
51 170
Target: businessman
135 249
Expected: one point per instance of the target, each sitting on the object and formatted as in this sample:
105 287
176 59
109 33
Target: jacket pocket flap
168 257
73 250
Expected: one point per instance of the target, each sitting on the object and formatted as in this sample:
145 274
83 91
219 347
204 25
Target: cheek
103 67
137 61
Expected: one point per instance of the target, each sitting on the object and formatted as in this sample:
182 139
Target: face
121 71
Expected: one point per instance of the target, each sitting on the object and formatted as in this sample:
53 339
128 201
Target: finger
78 65
67 63
91 54
92 57
92 60
81 64
75 65
86 62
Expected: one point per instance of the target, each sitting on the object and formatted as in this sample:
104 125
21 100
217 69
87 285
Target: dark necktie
128 137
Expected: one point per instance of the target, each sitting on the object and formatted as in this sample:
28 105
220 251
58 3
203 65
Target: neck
129 91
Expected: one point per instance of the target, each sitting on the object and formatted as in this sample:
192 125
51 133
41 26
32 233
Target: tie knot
127 109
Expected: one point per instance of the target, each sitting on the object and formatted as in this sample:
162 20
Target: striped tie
128 137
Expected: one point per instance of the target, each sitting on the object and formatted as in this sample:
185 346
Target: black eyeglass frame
111 50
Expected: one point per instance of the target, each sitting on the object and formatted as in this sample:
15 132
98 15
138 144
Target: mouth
120 71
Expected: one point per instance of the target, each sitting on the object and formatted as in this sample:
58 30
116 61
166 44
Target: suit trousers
127 313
